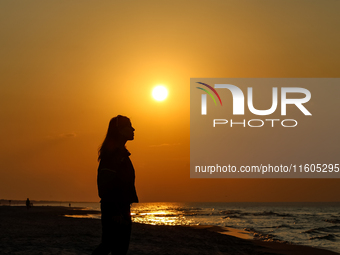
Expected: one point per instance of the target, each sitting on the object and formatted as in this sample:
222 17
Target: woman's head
120 128
118 133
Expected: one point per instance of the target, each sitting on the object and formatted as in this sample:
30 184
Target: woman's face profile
127 131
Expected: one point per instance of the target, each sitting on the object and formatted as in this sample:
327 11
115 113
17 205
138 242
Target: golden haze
67 67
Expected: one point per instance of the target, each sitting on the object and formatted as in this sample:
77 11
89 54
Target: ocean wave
258 235
322 229
334 221
329 237
311 231
231 212
271 213
285 226
182 209
232 217
264 213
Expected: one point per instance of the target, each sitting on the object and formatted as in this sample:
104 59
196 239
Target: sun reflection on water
161 214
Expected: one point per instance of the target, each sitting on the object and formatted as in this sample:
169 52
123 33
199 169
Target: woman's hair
112 135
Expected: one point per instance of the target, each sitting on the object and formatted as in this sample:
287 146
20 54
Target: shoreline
44 229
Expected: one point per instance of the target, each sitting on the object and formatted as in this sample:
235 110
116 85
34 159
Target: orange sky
67 67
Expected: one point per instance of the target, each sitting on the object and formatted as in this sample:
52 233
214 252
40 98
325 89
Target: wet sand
44 230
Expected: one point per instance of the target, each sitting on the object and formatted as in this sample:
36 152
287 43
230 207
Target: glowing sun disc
159 93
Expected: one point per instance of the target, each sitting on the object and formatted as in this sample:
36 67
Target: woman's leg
116 230
104 248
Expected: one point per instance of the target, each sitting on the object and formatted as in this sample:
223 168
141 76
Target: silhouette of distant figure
116 187
69 204
28 203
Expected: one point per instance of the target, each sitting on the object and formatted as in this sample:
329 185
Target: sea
311 224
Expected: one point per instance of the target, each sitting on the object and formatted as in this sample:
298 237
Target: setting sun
159 93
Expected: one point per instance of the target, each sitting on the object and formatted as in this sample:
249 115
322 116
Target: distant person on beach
28 203
116 187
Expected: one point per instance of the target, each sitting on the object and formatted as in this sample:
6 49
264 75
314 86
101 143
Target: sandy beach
45 230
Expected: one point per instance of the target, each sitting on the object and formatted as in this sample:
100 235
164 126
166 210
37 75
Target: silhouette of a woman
116 187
